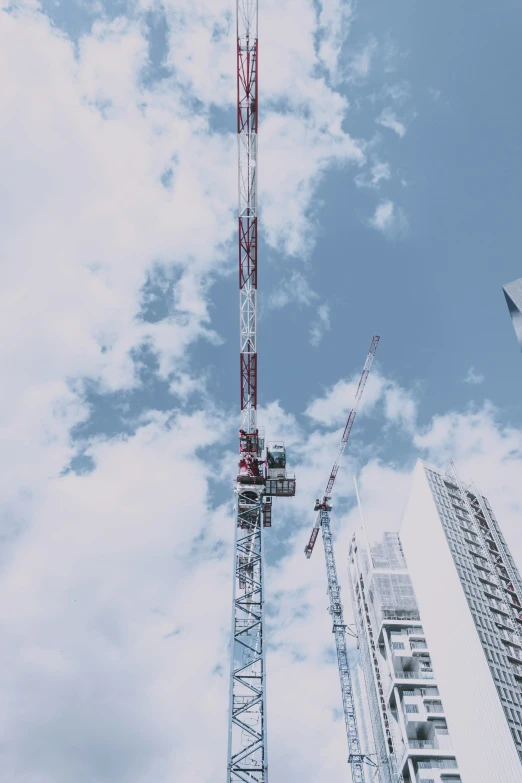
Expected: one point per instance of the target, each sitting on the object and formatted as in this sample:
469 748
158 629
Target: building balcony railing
421 744
418 675
389 614
510 637
497 606
434 708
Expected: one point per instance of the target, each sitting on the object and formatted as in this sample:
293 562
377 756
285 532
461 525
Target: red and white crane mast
258 479
247 121
356 758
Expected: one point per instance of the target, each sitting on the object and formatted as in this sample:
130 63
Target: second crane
356 758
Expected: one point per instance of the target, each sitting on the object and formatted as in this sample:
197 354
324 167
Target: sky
389 163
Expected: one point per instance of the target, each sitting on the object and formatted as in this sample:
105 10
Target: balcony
511 638
416 675
491 591
388 614
430 708
426 748
498 607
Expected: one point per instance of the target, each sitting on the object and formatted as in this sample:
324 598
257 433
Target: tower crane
355 758
262 472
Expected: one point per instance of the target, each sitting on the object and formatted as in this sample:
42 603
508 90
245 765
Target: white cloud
335 18
473 377
389 219
399 92
296 288
101 597
379 172
361 61
308 145
388 119
87 217
400 405
320 325
383 217
309 135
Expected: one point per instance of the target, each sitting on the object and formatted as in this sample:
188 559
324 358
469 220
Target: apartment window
411 708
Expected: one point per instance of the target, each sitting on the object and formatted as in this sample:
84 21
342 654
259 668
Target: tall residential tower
402 715
469 593
439 620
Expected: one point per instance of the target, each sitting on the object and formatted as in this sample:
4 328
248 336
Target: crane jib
348 427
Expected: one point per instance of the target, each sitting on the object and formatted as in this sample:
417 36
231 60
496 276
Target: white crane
259 479
355 758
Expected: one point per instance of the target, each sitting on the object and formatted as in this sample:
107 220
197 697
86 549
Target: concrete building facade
405 727
469 594
438 612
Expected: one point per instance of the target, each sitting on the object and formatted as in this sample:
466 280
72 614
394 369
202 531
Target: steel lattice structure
247 114
355 758
259 479
247 730
344 440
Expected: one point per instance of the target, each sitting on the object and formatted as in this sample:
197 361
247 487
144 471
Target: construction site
302 564
403 724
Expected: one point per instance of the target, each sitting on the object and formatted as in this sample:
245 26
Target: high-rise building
403 722
469 594
439 620
513 294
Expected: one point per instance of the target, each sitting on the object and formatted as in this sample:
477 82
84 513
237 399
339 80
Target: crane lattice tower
356 758
262 472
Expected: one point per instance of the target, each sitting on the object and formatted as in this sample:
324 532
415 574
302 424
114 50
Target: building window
397 645
411 708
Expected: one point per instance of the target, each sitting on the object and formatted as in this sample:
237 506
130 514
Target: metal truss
309 548
247 121
355 758
247 731
351 417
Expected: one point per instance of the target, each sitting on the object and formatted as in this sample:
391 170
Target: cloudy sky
390 203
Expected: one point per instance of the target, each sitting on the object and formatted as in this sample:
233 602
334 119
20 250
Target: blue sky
389 172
